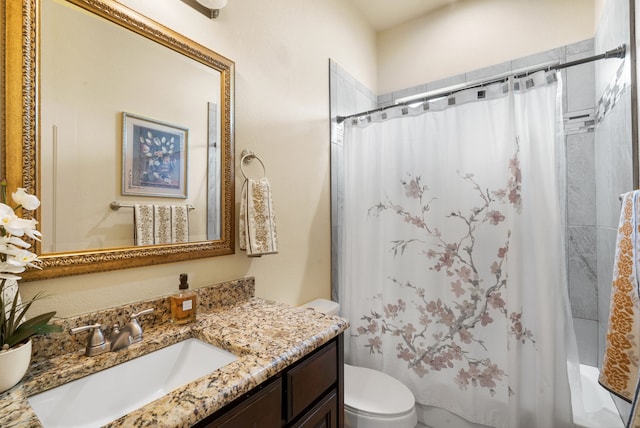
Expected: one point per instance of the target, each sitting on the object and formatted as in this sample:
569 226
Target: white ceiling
385 14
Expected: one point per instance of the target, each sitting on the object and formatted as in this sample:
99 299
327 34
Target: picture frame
154 157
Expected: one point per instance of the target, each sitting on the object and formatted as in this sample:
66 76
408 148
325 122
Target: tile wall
613 153
347 96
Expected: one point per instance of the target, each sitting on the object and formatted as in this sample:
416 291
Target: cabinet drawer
261 410
322 415
310 379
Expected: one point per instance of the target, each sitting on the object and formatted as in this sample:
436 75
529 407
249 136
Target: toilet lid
375 392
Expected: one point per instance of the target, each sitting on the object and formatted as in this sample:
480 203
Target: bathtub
599 409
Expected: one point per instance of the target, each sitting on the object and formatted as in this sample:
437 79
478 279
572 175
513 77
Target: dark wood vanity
289 370
307 394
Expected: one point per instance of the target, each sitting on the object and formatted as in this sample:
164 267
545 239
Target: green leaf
31 327
12 329
48 328
39 320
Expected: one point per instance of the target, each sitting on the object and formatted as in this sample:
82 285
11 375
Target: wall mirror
107 110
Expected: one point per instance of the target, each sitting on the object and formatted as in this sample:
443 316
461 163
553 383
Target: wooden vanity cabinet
259 408
307 394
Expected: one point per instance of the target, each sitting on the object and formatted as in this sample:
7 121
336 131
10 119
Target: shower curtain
453 258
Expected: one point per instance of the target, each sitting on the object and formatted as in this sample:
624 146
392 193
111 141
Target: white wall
472 34
281 50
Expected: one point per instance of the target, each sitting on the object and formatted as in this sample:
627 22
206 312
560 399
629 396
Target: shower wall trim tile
612 94
553 56
579 122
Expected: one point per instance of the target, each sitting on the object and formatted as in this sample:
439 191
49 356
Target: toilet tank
325 306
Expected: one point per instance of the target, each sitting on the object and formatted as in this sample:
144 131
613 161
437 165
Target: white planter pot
13 365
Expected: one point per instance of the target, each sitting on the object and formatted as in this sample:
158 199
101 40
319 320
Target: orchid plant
15 258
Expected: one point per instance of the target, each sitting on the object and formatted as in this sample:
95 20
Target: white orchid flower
15 241
9 250
14 256
10 245
7 216
5 243
20 226
5 275
28 202
30 229
7 270
24 258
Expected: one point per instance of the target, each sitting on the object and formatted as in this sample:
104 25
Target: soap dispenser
183 304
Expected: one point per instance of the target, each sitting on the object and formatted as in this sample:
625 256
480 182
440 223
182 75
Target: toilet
372 399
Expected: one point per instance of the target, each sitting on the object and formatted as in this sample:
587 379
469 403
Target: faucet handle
134 325
143 312
96 343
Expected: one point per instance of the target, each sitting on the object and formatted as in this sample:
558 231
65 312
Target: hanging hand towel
619 372
257 219
143 224
162 224
179 223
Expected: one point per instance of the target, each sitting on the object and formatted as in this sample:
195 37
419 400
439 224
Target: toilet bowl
372 399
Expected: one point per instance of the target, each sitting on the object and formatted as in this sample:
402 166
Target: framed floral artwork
154 157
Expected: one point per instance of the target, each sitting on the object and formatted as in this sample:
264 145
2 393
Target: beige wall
472 34
281 50
79 47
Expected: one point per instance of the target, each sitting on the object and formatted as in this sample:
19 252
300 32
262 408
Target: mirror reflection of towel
258 234
143 224
162 224
179 224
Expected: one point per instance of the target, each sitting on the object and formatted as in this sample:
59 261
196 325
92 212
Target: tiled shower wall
348 96
613 153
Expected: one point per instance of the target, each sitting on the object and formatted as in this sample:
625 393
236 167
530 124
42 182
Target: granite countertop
266 336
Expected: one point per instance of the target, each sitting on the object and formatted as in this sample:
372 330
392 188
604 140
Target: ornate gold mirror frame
21 134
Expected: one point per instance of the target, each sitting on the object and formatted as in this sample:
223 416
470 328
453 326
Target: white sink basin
104 396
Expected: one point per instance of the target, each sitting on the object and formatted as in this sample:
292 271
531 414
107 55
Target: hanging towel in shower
257 219
162 224
143 224
179 224
619 372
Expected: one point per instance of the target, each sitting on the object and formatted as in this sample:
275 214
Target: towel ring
246 157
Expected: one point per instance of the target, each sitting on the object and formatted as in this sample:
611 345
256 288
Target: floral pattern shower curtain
453 253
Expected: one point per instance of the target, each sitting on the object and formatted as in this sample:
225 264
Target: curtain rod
618 52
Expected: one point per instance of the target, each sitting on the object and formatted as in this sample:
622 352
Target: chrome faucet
118 338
